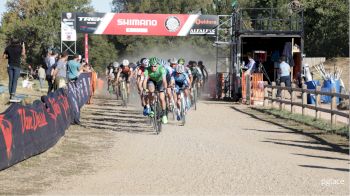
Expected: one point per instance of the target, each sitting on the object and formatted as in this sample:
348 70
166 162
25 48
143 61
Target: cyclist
124 72
110 70
196 73
170 68
189 73
140 73
182 81
155 79
204 70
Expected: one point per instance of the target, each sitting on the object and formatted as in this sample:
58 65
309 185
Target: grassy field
340 129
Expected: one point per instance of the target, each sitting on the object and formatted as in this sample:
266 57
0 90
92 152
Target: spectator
250 66
13 53
50 61
74 68
59 75
42 76
284 71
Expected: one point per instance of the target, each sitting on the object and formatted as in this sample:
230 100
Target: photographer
13 53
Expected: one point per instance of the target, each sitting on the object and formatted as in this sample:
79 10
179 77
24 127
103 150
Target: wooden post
248 96
274 92
303 99
292 99
318 102
282 105
266 95
333 107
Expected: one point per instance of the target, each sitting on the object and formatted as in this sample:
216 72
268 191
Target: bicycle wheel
154 118
159 117
195 98
124 93
182 111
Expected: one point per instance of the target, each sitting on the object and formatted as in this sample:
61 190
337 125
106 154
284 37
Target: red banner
86 48
147 24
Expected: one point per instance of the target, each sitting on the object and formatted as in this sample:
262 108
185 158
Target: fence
252 88
312 61
270 94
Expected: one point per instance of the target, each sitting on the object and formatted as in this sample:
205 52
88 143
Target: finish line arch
133 24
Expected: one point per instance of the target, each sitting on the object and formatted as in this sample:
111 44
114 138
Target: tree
37 23
326 28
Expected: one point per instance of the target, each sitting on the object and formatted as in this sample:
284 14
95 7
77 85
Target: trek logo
90 19
136 22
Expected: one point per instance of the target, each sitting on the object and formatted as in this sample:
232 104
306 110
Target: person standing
50 61
59 75
14 52
42 75
284 71
74 68
251 65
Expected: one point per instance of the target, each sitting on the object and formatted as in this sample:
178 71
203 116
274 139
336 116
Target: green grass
341 128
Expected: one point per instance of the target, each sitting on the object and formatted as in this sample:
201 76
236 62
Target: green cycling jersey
157 75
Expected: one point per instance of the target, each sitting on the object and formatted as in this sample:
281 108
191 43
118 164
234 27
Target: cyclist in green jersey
155 80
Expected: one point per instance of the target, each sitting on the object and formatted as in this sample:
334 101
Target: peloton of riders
157 75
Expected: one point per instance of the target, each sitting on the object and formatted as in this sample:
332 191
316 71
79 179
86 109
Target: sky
99 5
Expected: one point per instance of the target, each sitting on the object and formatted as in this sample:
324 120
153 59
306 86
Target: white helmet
180 68
173 61
145 61
125 62
115 64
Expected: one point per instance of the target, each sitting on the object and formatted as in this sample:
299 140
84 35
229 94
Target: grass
341 129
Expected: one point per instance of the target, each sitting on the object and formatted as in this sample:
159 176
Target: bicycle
123 92
156 108
182 106
171 105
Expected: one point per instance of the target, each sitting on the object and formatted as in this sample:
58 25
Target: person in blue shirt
74 68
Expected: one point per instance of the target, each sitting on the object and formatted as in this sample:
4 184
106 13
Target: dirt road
221 150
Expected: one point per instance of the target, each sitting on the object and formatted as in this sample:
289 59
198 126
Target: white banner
68 31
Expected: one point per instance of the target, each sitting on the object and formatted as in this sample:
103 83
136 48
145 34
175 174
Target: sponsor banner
147 24
205 25
26 131
68 32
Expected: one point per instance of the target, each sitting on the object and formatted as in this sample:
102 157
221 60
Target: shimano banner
146 24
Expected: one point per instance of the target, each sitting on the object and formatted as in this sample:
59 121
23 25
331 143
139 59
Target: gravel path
220 151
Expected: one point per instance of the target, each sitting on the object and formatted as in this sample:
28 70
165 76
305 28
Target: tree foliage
37 22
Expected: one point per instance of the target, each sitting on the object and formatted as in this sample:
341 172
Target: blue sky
99 5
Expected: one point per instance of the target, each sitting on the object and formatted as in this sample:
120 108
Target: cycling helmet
181 61
125 62
173 61
180 68
115 64
153 61
145 61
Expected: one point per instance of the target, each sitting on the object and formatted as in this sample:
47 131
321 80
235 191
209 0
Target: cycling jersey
125 69
157 75
110 71
188 71
181 81
197 73
141 71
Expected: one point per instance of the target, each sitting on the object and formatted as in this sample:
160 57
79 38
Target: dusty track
221 150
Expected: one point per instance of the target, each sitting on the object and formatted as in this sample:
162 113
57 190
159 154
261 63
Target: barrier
26 131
